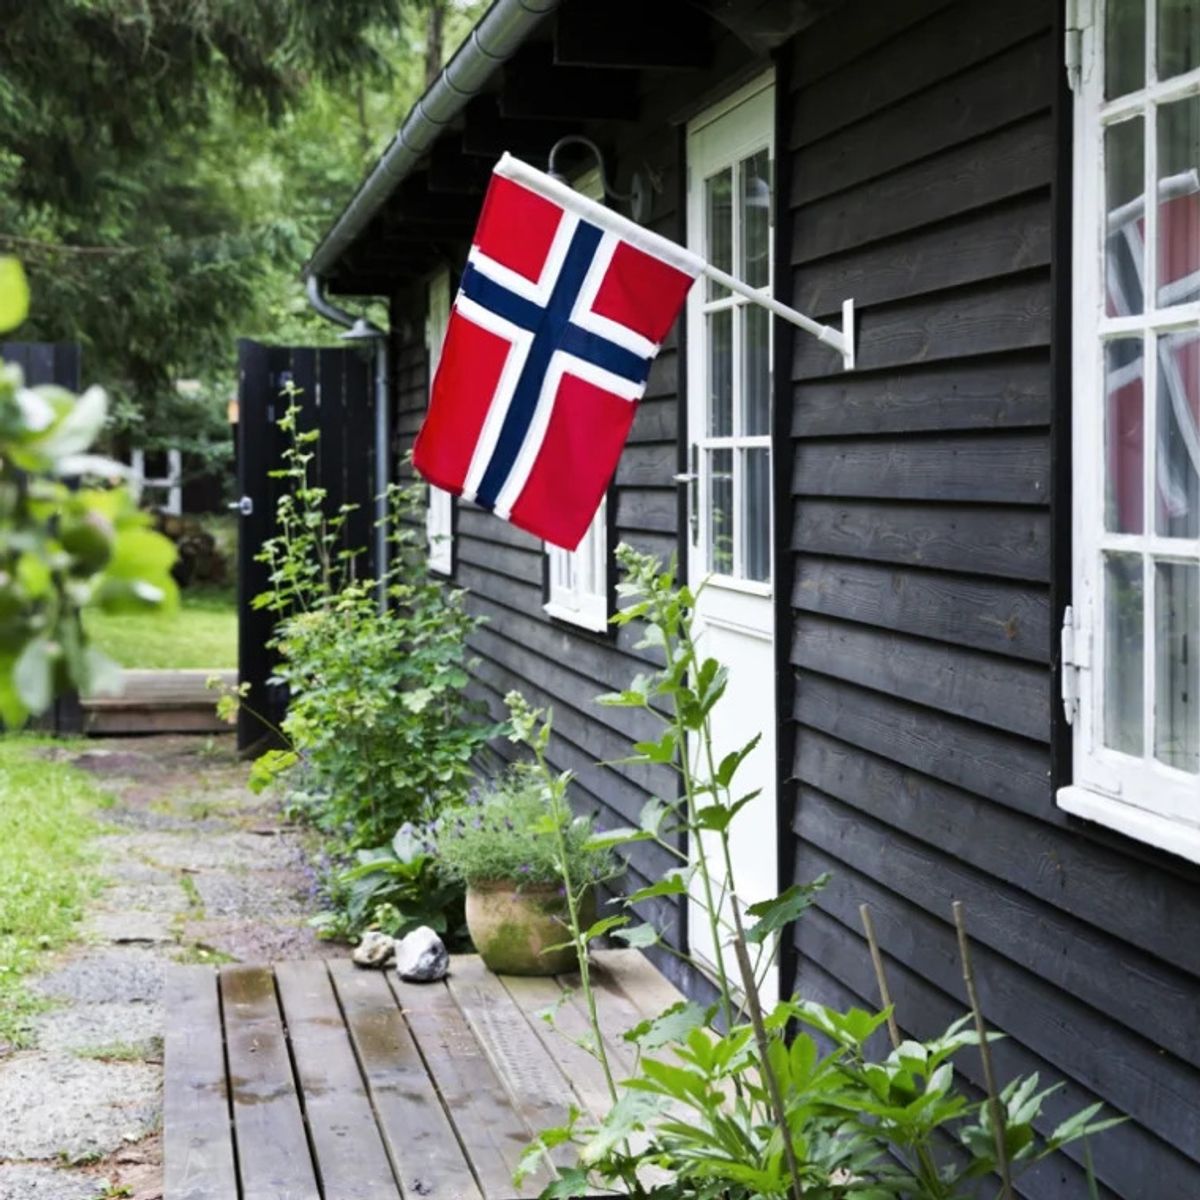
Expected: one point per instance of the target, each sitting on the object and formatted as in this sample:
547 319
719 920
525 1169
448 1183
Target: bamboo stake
885 995
985 1053
760 1037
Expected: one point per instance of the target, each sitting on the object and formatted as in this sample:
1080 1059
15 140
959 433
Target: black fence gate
334 395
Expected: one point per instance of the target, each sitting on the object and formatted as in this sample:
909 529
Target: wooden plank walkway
323 1081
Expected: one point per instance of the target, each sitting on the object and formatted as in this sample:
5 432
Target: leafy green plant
395 888
377 717
68 538
511 831
747 1111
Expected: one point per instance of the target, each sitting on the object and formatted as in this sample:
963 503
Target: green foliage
512 832
46 867
65 542
396 888
748 1111
377 711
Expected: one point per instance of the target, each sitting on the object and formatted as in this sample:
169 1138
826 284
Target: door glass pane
718 208
1123 440
1179 202
1123 626
720 511
1177 452
1124 47
756 369
755 264
1178 37
1177 666
756 514
1123 171
720 373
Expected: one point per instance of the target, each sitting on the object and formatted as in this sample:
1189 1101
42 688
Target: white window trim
1138 797
567 596
739 138
439 513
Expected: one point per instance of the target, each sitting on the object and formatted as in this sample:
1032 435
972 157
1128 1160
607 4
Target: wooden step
165 701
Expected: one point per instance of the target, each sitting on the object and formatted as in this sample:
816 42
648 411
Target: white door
729 218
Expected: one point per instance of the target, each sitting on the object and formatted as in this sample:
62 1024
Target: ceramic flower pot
513 924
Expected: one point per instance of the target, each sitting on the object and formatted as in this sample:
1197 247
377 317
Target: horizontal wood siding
922 164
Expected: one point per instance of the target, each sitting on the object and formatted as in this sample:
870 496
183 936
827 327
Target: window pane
1123 440
720 511
756 369
1178 444
756 514
720 373
1179 202
1177 666
1124 185
755 174
1178 37
1124 47
718 205
1123 652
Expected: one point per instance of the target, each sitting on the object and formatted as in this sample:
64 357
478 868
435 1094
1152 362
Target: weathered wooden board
415 1126
274 1162
351 1159
198 1135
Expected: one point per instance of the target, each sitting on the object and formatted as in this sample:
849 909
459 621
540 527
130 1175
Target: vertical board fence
332 390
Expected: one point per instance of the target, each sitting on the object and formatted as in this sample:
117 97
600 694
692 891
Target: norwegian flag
1178 457
562 308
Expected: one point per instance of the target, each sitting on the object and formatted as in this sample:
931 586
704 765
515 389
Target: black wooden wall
926 174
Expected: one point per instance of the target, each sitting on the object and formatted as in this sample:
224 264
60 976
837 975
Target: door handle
244 506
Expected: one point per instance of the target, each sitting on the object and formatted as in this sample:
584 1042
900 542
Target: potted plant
507 847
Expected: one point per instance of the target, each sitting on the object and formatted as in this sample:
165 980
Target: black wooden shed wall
929 157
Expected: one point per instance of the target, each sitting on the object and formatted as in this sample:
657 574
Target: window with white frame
1132 636
439 516
577 588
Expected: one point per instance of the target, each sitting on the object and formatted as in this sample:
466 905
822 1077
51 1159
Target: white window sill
597 622
1176 837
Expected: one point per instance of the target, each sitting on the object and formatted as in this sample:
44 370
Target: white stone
375 949
421 956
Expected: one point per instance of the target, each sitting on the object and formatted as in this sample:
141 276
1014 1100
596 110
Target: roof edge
503 28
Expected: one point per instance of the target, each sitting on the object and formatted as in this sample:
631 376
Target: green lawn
46 868
202 633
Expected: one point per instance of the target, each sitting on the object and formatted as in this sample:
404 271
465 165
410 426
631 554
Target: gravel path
198 870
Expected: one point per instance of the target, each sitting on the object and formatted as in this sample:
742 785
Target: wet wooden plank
350 1153
273 1153
416 1129
493 1133
197 1129
523 1063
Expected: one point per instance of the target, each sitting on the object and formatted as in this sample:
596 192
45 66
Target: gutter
497 36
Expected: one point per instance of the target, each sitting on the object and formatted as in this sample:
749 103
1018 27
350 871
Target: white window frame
439 513
1140 797
577 589
740 125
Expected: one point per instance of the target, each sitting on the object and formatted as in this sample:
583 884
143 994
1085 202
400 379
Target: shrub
377 715
509 833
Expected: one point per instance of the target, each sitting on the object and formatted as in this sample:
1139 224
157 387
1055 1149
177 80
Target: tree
133 135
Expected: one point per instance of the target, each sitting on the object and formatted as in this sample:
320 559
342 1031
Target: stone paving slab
118 976
54 1105
129 928
30 1181
217 851
260 941
134 1028
252 894
168 899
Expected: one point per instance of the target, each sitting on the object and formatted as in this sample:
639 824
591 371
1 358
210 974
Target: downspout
360 330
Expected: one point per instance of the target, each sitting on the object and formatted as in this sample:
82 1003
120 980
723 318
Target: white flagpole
841 340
